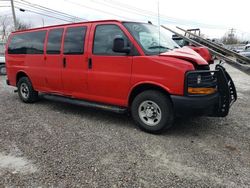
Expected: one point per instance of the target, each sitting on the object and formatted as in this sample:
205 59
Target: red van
118 66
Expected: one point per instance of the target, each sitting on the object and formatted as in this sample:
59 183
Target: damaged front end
206 92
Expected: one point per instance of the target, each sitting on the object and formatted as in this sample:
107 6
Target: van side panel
32 66
26 60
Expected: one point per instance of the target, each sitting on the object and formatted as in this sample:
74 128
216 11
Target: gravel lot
50 144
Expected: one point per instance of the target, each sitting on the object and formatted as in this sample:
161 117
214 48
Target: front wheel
152 111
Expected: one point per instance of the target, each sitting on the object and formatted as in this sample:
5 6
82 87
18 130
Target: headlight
201 83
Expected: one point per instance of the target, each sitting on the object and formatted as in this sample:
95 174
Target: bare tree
22 26
230 40
5 26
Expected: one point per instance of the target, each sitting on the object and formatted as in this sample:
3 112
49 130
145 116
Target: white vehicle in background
2 59
246 51
247 47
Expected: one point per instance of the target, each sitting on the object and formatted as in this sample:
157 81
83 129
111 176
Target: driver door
108 72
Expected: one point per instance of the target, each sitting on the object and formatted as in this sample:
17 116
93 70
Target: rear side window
54 41
74 40
104 38
27 43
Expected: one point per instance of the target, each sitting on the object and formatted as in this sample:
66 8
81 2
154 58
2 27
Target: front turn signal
201 90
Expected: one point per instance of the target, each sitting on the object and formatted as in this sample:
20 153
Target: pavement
51 144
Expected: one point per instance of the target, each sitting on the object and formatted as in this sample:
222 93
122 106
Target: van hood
186 53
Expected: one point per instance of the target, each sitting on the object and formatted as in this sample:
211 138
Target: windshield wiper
159 46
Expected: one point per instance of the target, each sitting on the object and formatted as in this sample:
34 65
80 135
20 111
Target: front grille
203 83
202 67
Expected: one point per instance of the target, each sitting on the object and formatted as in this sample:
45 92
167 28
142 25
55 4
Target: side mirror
119 46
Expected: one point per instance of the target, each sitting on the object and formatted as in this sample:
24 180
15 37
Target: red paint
203 52
188 54
111 79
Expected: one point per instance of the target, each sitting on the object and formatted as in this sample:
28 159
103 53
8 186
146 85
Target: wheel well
143 87
20 75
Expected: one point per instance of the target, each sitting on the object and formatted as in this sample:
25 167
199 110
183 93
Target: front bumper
195 105
217 104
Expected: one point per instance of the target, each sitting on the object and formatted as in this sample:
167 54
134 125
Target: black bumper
196 105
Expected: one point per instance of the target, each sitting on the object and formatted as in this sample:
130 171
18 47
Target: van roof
76 23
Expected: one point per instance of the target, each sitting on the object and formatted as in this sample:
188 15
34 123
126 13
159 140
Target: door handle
64 62
90 63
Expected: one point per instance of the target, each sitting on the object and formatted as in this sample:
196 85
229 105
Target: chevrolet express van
118 66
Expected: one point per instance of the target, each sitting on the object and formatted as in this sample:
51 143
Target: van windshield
148 37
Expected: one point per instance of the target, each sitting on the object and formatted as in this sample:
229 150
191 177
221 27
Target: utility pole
13 14
43 22
231 32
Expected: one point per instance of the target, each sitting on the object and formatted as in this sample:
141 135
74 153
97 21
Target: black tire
25 90
163 105
2 70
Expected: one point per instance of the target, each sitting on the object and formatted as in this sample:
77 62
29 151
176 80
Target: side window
54 41
104 37
27 43
74 40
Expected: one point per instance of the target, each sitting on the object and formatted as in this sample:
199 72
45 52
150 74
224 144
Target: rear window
74 40
27 43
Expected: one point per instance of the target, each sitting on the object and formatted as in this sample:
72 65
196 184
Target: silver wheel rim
150 113
24 90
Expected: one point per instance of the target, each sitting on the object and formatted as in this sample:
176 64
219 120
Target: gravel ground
50 144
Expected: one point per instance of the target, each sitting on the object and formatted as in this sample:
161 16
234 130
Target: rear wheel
25 90
152 111
2 70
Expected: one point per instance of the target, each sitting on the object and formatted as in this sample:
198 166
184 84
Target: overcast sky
214 17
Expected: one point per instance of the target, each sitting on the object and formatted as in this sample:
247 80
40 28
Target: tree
230 40
22 25
7 26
